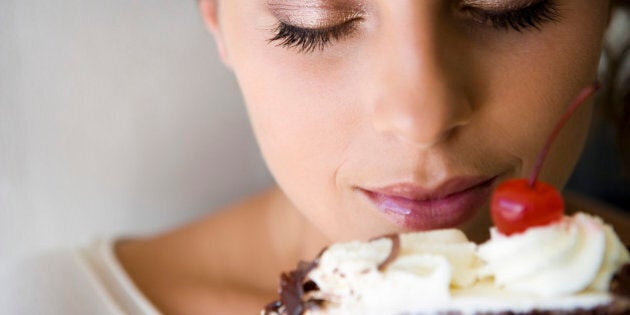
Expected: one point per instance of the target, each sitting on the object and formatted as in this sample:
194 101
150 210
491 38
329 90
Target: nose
420 95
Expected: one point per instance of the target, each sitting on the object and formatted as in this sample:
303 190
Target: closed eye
311 39
533 16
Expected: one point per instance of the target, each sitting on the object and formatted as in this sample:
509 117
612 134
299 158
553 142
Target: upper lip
448 188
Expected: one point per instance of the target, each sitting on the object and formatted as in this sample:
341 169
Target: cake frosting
427 265
580 253
568 265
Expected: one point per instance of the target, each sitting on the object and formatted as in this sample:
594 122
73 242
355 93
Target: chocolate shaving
314 304
321 253
393 253
293 287
292 290
310 286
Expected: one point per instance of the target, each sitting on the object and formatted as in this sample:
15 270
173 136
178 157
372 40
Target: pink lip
417 208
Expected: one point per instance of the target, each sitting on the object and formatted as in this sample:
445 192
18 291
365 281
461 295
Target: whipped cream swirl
428 264
577 254
567 265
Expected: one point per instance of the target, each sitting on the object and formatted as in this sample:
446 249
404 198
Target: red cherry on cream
519 204
516 206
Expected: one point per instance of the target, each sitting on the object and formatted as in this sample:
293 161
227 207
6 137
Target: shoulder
619 219
212 265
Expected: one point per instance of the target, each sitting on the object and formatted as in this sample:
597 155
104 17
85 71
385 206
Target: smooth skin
419 92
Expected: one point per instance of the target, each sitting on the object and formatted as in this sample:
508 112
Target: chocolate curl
292 288
393 253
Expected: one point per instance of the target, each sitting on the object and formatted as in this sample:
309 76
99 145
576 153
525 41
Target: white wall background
116 117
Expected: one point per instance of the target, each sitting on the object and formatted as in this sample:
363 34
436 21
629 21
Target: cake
576 265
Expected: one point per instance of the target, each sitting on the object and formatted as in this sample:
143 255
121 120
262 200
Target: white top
83 281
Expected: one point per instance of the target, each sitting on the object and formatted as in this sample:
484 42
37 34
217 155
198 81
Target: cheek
549 69
303 113
303 118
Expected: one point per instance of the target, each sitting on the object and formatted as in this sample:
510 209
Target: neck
292 237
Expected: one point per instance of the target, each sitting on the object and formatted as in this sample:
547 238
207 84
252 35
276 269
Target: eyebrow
500 4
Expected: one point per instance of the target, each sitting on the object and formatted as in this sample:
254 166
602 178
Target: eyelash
533 16
307 40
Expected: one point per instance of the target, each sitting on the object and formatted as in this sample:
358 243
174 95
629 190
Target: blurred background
117 118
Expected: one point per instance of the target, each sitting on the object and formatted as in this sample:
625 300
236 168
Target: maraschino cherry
519 204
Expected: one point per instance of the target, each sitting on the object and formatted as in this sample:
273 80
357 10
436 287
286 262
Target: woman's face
385 116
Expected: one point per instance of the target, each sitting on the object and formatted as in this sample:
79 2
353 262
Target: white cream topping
577 254
426 267
560 266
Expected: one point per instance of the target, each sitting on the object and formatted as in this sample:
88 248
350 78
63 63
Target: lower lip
450 211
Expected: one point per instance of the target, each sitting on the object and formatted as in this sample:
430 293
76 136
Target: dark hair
615 99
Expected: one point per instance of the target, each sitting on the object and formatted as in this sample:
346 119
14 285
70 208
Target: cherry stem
586 93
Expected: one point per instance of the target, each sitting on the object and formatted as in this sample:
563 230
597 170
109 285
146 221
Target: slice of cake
574 266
